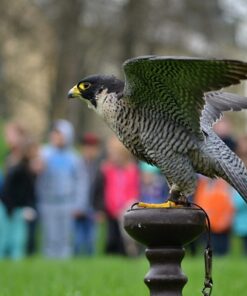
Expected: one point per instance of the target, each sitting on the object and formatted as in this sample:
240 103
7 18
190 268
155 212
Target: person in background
214 196
62 189
18 193
240 215
121 189
154 188
240 219
85 225
33 152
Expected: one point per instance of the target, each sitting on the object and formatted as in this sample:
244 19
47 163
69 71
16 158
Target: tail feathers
234 171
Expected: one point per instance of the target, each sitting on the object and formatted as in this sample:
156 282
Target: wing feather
218 102
175 86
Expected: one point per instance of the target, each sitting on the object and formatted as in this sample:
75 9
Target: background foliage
48 45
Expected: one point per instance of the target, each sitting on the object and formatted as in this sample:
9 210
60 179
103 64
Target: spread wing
175 86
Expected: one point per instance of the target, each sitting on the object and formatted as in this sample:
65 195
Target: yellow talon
168 204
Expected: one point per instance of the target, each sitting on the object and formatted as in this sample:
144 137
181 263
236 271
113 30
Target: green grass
115 276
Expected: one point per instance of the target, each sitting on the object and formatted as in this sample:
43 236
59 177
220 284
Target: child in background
18 193
240 215
240 219
154 188
214 196
85 225
121 189
62 189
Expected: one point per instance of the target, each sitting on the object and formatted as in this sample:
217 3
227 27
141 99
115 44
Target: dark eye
83 85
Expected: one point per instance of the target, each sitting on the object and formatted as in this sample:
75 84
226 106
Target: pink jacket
121 187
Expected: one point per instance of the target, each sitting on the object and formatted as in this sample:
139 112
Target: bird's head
90 88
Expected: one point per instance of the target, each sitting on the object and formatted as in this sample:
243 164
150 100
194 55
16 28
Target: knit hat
90 139
66 129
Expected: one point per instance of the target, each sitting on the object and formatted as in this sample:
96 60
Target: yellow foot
168 204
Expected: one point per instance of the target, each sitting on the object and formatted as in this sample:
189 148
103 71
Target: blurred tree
68 51
48 45
25 67
136 16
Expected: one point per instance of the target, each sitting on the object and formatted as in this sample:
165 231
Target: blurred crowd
55 196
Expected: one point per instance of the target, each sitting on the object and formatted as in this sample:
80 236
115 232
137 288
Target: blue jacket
64 180
240 218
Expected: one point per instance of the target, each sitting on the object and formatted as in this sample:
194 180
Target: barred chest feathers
142 131
122 119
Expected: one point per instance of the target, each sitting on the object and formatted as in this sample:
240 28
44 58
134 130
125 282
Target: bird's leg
176 199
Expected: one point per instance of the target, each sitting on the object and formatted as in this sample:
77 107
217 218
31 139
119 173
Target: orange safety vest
215 198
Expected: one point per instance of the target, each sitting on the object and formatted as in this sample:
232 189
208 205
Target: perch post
164 232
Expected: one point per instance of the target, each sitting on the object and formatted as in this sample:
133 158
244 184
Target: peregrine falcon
164 113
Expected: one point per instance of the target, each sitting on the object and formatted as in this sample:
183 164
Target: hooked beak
74 93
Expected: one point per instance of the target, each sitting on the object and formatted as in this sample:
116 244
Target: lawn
116 276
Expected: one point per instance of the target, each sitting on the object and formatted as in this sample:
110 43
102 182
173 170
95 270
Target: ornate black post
165 232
